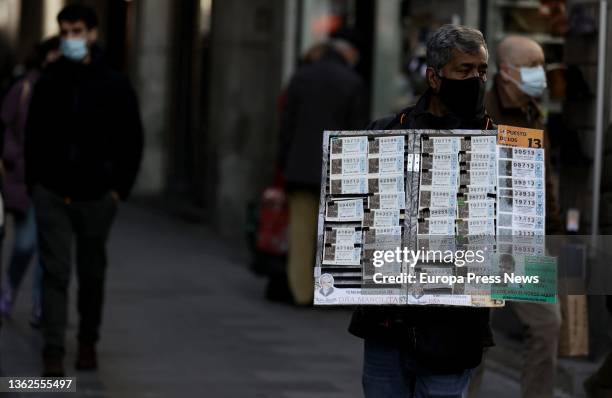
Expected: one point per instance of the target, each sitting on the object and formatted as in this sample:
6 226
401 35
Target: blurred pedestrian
513 101
14 113
419 351
325 94
83 150
273 219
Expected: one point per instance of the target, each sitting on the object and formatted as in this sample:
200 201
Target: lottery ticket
521 169
438 198
381 218
341 254
477 189
349 185
387 201
523 250
479 165
478 240
384 236
476 197
389 165
441 212
485 177
387 146
476 227
440 145
477 157
479 144
441 243
392 184
436 226
522 194
531 206
520 222
446 161
439 178
344 210
507 234
348 166
476 209
520 183
516 153
477 193
342 235
509 240
348 146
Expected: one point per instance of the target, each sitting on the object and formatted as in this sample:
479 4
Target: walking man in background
325 95
512 101
83 150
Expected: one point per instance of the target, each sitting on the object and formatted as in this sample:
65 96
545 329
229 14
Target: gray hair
448 37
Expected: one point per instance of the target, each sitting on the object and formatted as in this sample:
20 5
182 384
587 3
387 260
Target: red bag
273 226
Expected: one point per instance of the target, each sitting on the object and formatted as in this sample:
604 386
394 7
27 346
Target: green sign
527 278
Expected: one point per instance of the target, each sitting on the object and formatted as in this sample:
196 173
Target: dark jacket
441 339
324 95
84 135
530 117
13 114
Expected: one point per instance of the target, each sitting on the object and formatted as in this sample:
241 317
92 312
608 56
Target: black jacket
441 339
324 95
84 134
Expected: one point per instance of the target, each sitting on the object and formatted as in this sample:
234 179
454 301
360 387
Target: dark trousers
390 372
60 223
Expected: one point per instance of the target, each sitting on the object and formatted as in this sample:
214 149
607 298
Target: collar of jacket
418 117
531 112
331 55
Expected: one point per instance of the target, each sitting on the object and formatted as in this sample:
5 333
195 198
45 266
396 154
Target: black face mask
463 98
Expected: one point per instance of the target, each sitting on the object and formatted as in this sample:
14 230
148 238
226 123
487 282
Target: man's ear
92 36
433 80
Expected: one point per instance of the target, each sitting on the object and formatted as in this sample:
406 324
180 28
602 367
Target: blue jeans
24 248
389 372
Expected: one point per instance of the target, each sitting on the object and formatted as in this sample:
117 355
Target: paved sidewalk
185 318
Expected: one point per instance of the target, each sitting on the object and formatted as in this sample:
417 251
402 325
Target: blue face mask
74 49
533 80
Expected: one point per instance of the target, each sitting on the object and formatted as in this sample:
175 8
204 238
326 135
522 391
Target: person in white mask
519 83
513 100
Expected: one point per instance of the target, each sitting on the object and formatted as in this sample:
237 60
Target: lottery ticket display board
388 198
